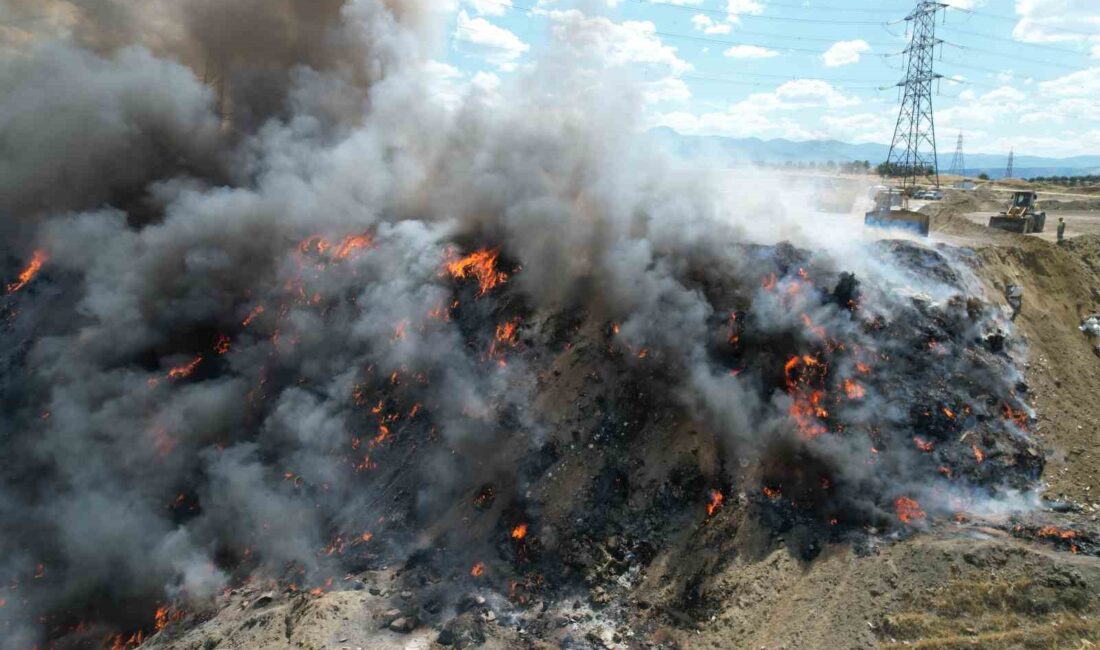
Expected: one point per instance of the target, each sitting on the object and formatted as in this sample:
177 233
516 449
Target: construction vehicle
1022 215
892 211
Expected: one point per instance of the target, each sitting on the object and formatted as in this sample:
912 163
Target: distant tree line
845 166
894 169
1089 179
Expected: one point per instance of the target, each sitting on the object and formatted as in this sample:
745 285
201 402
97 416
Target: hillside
780 151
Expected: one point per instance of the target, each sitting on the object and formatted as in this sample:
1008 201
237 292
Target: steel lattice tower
958 162
1011 155
913 149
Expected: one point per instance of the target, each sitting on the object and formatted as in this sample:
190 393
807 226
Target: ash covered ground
301 351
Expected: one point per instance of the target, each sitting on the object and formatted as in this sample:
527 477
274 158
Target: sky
1018 74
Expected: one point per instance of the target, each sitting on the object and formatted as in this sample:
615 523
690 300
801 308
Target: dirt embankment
1061 286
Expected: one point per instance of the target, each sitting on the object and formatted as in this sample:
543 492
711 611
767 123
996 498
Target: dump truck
1022 215
892 211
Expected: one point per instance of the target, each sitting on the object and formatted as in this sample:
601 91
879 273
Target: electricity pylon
913 149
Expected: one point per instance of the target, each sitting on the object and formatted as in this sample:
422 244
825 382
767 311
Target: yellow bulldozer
1022 215
892 212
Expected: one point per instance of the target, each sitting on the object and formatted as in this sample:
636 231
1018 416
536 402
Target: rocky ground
720 579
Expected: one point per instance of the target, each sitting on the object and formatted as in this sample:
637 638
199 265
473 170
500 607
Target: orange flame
223 344
716 499
353 243
505 337
853 389
477 570
186 369
519 532
1051 531
366 537
319 591
33 267
978 454
1019 417
252 315
166 615
805 409
481 265
922 444
816 330
772 493
908 510
121 642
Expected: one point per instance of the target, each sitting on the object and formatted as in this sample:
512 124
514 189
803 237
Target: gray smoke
173 232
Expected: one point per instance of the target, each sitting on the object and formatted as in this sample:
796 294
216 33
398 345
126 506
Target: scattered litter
1091 325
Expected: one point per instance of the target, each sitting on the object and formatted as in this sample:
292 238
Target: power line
822 21
534 11
671 5
1016 19
990 37
836 81
1012 56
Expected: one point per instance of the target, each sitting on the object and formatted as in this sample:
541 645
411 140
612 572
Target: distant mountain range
722 150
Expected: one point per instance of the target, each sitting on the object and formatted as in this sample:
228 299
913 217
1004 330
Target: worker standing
1061 230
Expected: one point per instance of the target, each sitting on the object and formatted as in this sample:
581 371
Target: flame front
519 532
716 499
353 243
908 510
853 389
807 407
1051 531
477 570
186 369
32 269
481 265
979 455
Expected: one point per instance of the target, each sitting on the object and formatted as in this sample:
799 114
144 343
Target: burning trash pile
836 406
310 346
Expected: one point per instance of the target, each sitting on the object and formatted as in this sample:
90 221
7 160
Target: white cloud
616 44
451 87
967 5
860 127
749 52
669 89
704 24
487 7
749 7
1052 21
803 93
503 48
1083 83
769 115
844 53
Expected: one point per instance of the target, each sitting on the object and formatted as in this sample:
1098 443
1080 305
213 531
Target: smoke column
236 320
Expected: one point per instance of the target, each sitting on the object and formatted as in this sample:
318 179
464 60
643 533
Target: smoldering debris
376 330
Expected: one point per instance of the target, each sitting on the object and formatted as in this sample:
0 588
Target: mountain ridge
781 151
